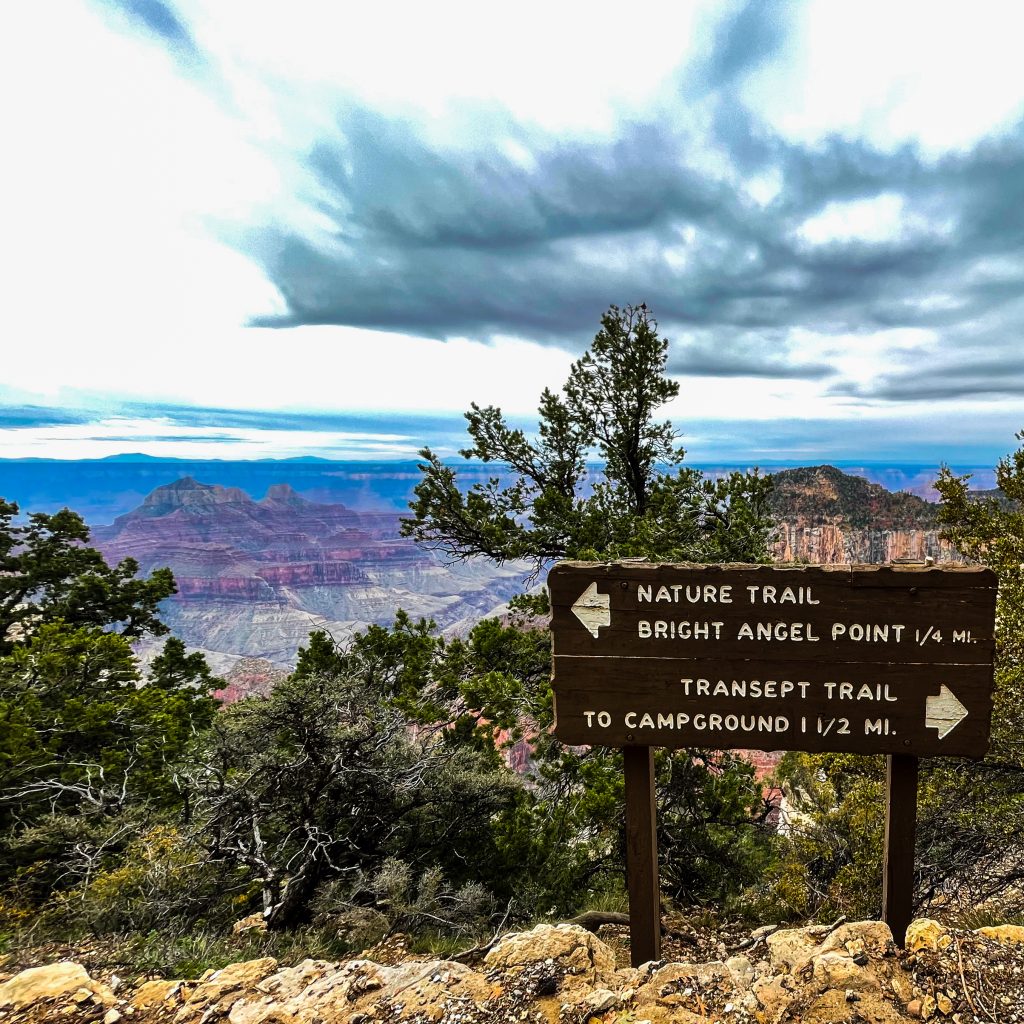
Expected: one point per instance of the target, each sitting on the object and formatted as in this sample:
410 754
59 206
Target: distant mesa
188 493
138 457
227 515
284 495
205 499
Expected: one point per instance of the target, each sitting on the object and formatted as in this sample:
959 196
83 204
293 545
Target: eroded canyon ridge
256 576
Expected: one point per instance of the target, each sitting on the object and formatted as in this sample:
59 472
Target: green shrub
162 881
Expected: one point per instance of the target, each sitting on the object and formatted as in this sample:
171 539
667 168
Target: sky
242 229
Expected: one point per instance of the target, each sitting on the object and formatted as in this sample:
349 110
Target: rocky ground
844 974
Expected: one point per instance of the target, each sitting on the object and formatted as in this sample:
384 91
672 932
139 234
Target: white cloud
881 218
301 368
763 188
940 75
556 65
938 302
863 358
997 269
114 166
715 399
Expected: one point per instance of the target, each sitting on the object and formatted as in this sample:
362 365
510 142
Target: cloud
929 437
101 437
14 416
401 426
985 377
166 428
473 241
160 19
218 439
745 41
769 354
491 237
478 224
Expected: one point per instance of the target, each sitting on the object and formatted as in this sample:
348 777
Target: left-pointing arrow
943 712
593 609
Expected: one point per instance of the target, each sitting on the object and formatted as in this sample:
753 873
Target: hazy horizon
103 489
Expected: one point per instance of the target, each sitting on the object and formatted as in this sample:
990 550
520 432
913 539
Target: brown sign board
864 659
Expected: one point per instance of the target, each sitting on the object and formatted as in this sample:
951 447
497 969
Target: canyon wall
840 543
827 516
255 577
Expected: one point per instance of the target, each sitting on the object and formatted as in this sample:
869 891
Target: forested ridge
826 494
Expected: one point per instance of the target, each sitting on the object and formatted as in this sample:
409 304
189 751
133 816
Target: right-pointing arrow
944 712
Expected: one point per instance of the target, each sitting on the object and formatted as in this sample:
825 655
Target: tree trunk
293 907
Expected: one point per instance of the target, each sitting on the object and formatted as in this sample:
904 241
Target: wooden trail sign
892 660
869 659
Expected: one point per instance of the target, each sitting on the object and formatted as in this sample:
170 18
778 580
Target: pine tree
551 504
85 740
48 572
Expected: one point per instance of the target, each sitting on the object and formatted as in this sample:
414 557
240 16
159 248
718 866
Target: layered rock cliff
838 543
255 577
827 516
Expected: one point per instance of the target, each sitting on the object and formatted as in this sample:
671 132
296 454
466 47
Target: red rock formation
255 577
840 543
249 676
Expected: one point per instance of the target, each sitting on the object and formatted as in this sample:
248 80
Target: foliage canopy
86 739
550 503
323 782
48 572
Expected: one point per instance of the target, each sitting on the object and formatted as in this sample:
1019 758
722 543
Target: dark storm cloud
963 379
526 234
445 242
759 354
932 388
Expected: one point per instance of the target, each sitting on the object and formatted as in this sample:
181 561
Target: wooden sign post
642 855
865 659
900 833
